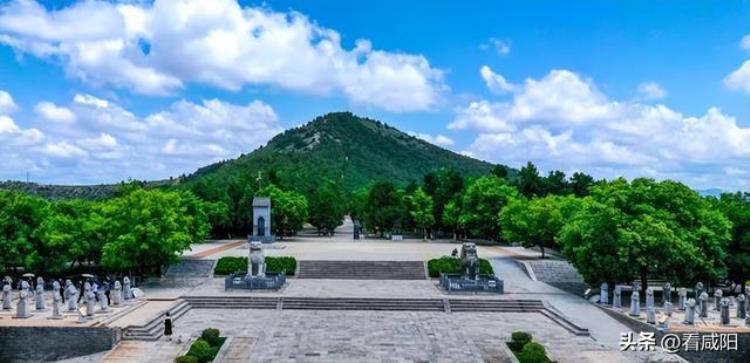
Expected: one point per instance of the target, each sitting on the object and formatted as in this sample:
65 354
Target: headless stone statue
8 293
724 306
741 309
604 293
22 309
90 298
635 304
126 293
102 298
40 294
718 295
71 295
56 300
690 312
117 294
666 294
649 297
617 298
651 315
703 298
682 293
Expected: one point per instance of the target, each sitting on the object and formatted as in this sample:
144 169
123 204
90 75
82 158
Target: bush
203 351
228 265
211 336
533 352
186 359
518 340
452 265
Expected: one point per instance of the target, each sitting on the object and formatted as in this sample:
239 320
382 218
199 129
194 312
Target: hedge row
204 349
228 265
452 265
526 350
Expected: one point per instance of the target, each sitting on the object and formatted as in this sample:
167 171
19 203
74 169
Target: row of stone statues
92 292
689 305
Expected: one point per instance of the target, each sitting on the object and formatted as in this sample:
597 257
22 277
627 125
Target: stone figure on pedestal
88 295
617 298
40 294
724 307
604 293
666 293
741 308
668 308
651 315
117 294
649 297
469 261
698 289
256 260
101 296
71 295
22 309
718 295
703 298
635 304
682 293
56 300
7 293
127 294
690 313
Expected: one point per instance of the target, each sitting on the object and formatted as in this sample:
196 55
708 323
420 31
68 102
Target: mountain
342 147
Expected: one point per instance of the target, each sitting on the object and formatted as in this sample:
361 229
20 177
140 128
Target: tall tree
384 208
288 210
538 221
481 204
326 208
420 208
580 183
555 183
736 208
21 240
529 182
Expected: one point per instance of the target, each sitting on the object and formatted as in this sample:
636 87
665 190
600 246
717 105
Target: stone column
718 295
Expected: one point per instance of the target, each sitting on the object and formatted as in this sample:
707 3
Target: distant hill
350 150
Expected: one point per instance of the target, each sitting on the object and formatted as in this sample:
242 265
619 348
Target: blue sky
153 89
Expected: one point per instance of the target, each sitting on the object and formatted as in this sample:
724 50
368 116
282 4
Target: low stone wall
34 344
742 354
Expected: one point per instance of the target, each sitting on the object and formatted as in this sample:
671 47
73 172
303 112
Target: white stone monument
262 220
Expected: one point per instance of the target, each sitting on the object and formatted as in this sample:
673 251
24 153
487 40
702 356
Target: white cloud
108 143
562 121
7 105
50 112
502 47
495 82
440 140
144 46
745 43
651 91
740 78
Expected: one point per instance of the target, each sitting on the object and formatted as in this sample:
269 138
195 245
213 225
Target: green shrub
533 352
202 351
518 339
228 265
452 265
186 359
211 336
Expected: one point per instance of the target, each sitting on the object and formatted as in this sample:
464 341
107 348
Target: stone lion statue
256 260
469 261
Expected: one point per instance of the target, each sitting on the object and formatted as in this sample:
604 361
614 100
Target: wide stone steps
362 270
154 329
518 306
232 302
362 304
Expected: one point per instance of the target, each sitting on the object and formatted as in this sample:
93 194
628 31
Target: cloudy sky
94 91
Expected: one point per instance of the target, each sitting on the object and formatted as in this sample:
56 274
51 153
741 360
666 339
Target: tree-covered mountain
348 150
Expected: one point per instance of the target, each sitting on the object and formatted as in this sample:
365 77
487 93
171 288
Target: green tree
288 210
736 208
384 208
580 183
74 234
21 239
452 216
148 229
537 222
646 229
420 208
529 181
326 208
481 204
555 183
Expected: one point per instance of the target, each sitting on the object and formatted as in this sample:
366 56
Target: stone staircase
154 329
362 270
